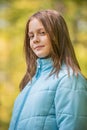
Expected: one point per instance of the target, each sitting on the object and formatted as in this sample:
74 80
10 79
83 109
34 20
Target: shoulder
71 100
71 80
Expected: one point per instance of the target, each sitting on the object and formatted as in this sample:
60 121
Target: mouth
39 47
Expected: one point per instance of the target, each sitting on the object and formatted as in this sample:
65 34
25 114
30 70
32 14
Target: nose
36 39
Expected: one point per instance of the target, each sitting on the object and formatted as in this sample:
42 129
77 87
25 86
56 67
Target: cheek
49 46
31 45
50 49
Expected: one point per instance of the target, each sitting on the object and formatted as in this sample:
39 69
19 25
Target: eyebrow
37 30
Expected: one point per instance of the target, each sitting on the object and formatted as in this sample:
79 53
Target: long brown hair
63 51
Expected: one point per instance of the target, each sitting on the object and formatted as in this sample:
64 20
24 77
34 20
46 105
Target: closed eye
42 33
31 36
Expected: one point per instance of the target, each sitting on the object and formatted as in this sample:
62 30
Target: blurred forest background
13 18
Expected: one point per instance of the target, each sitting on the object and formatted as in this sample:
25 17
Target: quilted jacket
51 103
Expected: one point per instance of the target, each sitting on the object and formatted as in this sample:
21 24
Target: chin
40 56
43 56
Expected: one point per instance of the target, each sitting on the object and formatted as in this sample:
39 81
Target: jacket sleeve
71 103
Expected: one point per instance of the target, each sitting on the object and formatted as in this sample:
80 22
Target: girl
53 91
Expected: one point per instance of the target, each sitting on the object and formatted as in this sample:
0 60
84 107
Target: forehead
35 24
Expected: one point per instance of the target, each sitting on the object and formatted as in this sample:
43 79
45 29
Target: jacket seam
71 115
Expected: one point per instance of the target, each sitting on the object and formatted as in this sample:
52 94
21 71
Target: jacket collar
44 63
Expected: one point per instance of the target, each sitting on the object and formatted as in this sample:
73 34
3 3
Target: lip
39 47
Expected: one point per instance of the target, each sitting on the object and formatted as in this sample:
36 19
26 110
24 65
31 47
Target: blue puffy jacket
51 103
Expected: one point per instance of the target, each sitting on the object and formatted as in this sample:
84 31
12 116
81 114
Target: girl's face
39 39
